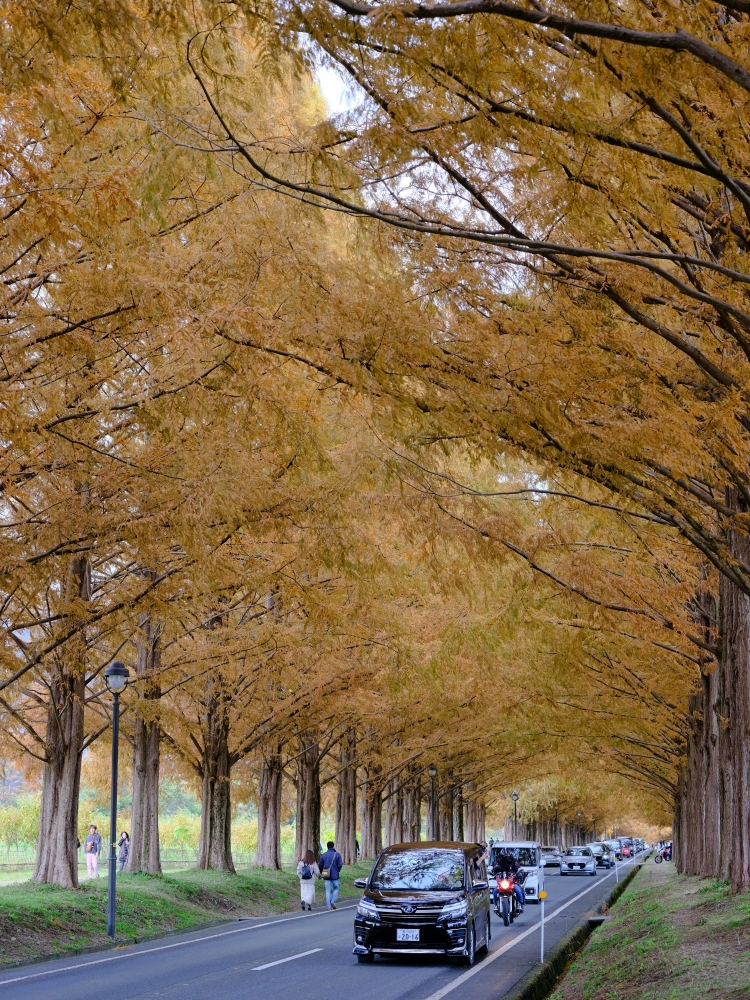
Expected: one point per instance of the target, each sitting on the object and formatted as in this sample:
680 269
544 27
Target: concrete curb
539 982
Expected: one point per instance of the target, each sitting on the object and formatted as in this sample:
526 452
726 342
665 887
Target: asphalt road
305 956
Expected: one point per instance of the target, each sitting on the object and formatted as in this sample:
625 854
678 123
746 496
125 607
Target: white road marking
259 968
511 944
166 947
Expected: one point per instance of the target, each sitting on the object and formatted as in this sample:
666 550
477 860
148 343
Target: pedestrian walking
92 848
307 871
331 864
124 844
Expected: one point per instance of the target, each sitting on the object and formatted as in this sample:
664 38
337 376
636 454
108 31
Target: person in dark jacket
124 844
331 864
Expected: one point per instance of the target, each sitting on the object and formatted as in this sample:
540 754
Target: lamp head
116 677
514 796
432 771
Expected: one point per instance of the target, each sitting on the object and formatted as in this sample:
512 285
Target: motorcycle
506 901
665 854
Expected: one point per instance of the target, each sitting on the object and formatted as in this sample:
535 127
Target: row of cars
589 857
436 898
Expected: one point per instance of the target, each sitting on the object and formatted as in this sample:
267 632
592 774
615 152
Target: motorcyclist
507 864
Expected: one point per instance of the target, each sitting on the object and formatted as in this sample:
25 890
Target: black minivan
424 899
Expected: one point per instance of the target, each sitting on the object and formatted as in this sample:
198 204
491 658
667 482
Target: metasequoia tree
576 206
254 446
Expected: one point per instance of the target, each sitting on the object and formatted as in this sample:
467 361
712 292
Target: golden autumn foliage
448 474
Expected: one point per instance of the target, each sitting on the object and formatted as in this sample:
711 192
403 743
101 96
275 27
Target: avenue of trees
412 435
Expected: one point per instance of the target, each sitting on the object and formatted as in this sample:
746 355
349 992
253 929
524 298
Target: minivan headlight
367 910
454 911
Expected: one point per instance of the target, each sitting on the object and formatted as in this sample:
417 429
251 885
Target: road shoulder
39 922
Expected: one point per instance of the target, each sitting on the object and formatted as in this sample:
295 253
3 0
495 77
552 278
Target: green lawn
669 937
39 921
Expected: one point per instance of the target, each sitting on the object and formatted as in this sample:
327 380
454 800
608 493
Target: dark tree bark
458 813
372 806
735 667
475 818
445 810
144 826
412 798
268 854
215 847
307 834
346 800
57 856
394 813
432 826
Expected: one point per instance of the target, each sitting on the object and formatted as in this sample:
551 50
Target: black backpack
305 872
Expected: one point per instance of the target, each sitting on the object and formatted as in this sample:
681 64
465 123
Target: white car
528 854
578 860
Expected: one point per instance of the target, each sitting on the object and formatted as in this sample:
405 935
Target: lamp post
514 796
116 678
432 771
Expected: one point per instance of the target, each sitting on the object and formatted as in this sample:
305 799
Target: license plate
405 934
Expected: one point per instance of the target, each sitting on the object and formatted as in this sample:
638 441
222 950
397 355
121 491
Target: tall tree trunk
144 826
268 854
307 833
412 796
458 813
475 818
372 806
691 792
346 800
432 826
445 810
57 856
215 847
735 667
394 813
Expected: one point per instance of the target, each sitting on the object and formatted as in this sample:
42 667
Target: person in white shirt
307 871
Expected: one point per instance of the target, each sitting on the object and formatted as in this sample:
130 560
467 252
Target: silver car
551 856
578 860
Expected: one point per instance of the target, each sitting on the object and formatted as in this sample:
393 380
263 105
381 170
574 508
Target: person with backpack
92 849
331 864
307 871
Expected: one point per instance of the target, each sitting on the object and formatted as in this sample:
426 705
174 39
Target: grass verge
670 936
43 921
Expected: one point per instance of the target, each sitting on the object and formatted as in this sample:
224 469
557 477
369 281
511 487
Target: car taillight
504 884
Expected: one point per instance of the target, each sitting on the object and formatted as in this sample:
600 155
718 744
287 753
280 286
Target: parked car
604 855
551 856
528 854
424 899
578 859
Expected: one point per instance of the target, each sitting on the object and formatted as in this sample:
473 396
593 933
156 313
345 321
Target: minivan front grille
421 913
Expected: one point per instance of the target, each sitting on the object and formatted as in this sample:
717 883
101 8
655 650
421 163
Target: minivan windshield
423 870
523 855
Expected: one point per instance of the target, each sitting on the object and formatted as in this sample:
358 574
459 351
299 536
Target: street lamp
432 771
514 796
116 678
